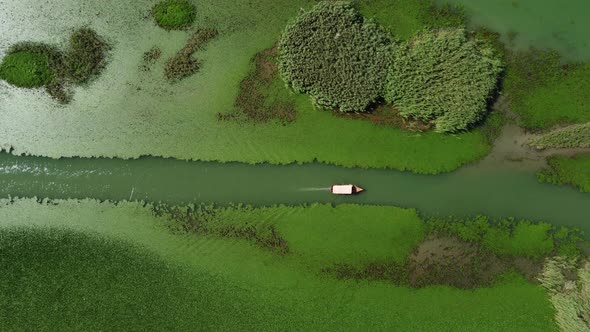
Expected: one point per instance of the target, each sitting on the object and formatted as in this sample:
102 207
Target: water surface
497 192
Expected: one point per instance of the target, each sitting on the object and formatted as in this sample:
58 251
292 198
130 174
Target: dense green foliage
573 171
574 136
26 69
510 237
174 14
444 77
86 55
544 91
403 18
332 54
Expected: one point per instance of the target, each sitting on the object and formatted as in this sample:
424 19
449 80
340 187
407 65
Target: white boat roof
343 189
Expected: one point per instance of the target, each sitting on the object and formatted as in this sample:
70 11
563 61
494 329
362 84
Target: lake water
562 25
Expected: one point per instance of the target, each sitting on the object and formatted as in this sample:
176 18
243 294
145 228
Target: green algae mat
97 266
129 111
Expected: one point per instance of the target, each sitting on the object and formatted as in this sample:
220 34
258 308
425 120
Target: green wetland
95 232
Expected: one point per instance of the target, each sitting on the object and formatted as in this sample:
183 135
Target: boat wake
315 189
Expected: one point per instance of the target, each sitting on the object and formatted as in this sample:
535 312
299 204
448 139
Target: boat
346 189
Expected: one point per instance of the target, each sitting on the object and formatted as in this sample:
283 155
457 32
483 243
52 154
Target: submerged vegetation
563 170
544 91
183 64
334 55
35 65
444 77
174 14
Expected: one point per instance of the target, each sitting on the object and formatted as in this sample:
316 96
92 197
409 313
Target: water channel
493 191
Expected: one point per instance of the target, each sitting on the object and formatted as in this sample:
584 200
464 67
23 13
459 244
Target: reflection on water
498 192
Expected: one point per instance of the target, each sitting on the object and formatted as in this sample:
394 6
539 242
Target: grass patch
182 64
573 171
544 92
26 69
174 14
251 290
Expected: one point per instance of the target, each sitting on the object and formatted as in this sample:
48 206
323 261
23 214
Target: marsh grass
174 14
200 219
35 64
568 282
262 97
183 64
574 171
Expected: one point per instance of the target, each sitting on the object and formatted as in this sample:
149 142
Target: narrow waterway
498 192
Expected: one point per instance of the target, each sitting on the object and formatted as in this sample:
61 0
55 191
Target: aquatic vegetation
70 274
574 136
544 91
225 284
26 69
36 64
510 238
262 97
568 282
404 18
444 77
85 57
563 170
174 14
335 56
182 64
150 57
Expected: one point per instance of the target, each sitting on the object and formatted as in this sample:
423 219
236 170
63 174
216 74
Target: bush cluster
174 14
444 77
333 55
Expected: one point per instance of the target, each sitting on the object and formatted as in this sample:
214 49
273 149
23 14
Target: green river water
498 192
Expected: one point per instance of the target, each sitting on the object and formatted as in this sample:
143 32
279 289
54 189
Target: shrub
174 14
26 69
444 77
86 55
336 57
